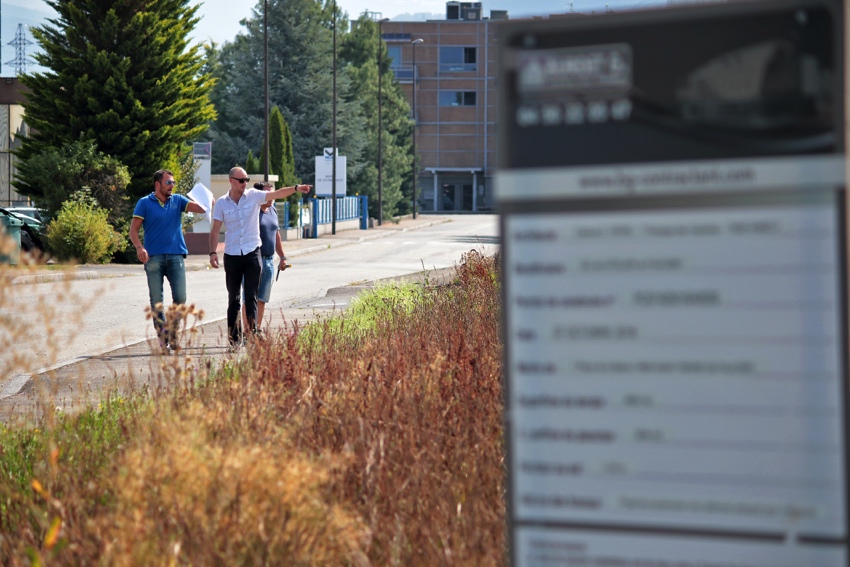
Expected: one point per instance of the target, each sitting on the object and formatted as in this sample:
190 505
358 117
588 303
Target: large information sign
672 189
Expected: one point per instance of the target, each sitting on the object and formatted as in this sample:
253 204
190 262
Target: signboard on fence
672 190
324 174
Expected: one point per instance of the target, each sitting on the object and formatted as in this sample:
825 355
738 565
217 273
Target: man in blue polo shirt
161 216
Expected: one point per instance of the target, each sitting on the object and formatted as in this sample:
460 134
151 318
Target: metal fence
347 208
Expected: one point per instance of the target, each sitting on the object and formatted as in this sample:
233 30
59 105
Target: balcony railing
458 67
404 73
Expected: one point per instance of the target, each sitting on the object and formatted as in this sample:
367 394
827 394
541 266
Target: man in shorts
270 243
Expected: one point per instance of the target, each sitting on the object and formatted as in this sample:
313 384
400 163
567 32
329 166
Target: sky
220 18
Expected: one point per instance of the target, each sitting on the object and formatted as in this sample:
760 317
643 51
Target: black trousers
247 267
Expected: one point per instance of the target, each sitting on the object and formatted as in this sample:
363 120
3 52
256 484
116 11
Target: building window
458 59
403 73
394 53
457 98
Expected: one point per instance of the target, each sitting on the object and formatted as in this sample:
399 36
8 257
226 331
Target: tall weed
378 447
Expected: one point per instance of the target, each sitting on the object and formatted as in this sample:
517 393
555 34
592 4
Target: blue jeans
172 268
264 293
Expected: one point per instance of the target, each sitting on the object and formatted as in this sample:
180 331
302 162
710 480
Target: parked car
31 230
33 212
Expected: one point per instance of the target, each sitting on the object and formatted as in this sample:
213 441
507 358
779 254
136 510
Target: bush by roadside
81 232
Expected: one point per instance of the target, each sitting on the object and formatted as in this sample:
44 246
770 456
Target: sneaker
236 345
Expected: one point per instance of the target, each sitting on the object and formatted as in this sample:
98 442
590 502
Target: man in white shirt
239 211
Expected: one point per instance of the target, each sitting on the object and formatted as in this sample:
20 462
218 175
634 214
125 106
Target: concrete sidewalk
341 238
201 261
71 386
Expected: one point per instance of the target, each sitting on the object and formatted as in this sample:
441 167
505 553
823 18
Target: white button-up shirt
241 221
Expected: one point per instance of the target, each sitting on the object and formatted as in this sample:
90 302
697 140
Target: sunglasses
170 182
241 179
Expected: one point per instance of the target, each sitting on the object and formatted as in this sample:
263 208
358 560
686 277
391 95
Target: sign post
672 189
324 174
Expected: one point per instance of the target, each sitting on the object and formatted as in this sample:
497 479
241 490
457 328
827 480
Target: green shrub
82 232
56 174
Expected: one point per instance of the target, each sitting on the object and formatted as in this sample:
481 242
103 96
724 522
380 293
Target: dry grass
376 447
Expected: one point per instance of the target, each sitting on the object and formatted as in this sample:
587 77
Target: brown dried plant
379 448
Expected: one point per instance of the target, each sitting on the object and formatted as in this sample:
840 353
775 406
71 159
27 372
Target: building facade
452 75
12 127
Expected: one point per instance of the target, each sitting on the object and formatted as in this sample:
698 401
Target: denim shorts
266 279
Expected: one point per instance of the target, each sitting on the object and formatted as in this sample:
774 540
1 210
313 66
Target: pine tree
121 74
276 143
281 159
252 164
289 177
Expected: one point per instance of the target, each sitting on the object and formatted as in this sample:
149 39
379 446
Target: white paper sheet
204 197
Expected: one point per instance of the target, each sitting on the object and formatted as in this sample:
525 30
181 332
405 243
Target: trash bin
10 239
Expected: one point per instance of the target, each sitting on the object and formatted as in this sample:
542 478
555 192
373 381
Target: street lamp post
333 127
266 89
380 125
415 42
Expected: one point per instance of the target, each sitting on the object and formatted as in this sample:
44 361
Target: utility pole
380 121
414 43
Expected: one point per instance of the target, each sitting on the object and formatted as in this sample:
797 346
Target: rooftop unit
463 10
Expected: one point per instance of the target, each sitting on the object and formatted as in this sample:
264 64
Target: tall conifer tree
120 73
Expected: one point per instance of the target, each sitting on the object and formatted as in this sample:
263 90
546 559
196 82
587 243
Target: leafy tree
57 173
300 60
359 52
120 73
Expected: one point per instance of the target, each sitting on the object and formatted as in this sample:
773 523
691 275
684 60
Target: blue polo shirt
162 223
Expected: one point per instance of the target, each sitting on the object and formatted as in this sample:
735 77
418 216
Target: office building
455 81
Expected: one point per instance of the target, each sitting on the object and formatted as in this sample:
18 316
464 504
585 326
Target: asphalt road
94 331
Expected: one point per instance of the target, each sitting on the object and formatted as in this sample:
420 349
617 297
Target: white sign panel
679 370
324 174
675 287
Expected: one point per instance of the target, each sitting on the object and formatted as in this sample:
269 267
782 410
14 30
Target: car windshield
26 219
30 212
